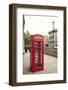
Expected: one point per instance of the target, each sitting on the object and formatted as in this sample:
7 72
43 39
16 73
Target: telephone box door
38 53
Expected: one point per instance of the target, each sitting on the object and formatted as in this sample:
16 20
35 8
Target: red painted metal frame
36 38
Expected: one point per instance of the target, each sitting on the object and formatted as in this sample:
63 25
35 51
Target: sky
40 24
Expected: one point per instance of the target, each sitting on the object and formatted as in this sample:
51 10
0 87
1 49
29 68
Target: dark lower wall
51 51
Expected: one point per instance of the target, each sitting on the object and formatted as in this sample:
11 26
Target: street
50 64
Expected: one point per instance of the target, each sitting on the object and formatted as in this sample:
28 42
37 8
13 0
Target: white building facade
52 40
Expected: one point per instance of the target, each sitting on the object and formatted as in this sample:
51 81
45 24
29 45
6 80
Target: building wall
45 40
52 41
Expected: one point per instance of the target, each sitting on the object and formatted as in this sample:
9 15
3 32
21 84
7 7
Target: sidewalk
50 64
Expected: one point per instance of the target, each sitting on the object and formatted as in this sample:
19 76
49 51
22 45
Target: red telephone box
37 53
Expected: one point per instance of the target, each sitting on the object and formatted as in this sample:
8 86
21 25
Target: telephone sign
37 53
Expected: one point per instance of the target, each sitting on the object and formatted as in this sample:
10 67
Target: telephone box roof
37 35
